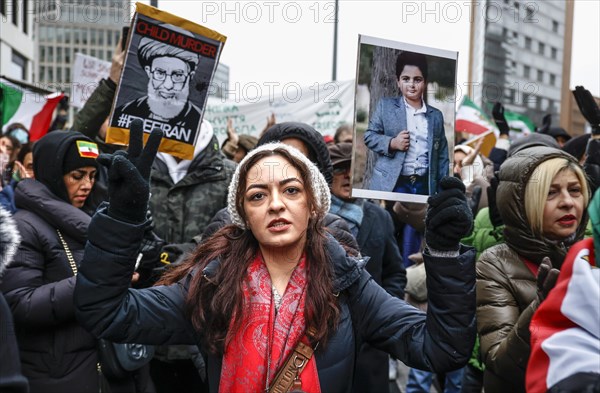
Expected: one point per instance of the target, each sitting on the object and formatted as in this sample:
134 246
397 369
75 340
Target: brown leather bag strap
288 376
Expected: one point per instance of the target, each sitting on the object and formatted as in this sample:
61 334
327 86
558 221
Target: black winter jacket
57 353
440 340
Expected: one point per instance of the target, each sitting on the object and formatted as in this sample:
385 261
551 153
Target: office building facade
520 55
17 49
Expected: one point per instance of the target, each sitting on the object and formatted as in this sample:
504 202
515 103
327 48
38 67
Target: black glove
492 205
588 108
501 123
129 173
546 278
546 123
151 248
474 200
449 217
591 165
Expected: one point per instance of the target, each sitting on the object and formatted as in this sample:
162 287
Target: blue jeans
411 239
420 381
420 186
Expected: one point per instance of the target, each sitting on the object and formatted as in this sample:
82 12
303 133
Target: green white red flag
33 110
519 123
471 119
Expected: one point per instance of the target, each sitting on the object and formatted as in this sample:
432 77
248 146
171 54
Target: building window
15 12
504 32
527 71
42 33
93 52
67 36
101 37
50 34
42 76
541 48
67 74
527 43
540 76
59 78
93 36
50 74
515 35
25 15
20 63
553 52
555 26
3 7
42 53
59 56
50 54
552 79
68 55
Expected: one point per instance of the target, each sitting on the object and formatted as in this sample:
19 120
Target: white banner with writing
325 106
87 73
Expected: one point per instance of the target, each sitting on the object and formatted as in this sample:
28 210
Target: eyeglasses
176 76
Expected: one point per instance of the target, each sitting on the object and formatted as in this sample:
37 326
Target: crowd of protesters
226 272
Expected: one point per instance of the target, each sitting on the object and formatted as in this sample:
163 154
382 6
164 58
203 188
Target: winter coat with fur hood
506 287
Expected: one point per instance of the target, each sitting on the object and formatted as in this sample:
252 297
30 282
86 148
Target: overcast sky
273 43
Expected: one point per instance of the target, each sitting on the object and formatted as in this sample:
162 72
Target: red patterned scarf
266 338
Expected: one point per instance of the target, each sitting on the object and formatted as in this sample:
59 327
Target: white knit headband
316 179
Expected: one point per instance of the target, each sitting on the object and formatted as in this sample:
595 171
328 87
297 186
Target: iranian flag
519 123
471 119
87 149
33 110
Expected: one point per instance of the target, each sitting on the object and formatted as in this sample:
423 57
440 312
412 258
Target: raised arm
104 303
442 339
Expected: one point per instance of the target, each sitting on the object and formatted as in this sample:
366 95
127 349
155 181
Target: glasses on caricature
176 76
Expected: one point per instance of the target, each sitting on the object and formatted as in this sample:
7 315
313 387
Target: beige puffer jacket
506 287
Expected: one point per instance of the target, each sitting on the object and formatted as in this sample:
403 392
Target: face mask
21 135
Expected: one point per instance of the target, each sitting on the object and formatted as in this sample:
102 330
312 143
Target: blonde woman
542 198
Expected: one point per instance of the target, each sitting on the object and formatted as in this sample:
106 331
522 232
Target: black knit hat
319 154
49 157
81 153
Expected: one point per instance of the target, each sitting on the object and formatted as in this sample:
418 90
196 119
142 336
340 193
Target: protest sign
88 71
404 149
168 67
325 106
